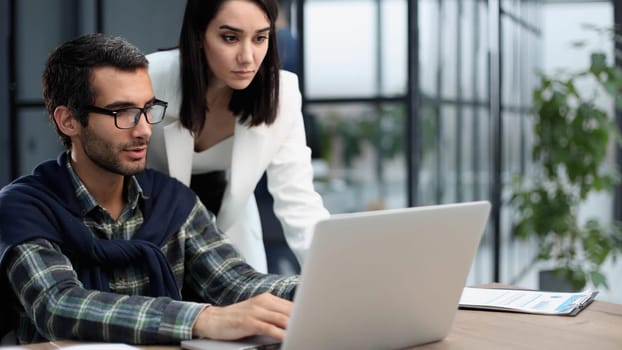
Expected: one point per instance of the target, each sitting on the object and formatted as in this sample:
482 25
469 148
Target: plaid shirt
54 304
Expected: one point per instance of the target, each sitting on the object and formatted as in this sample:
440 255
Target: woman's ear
65 121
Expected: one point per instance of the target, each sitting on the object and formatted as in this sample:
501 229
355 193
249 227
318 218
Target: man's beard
106 155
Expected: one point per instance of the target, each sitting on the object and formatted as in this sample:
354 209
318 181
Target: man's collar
133 191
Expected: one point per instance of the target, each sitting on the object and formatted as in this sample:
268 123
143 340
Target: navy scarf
44 205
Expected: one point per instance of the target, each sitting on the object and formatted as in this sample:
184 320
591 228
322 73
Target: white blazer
280 149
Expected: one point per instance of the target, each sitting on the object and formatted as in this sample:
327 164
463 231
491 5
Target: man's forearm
61 308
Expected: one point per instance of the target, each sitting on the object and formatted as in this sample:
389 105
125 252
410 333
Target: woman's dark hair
258 102
67 75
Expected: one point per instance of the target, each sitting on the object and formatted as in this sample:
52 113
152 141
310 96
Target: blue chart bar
567 304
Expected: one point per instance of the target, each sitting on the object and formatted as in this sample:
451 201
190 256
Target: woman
231 109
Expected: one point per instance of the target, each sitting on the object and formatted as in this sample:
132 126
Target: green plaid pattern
54 304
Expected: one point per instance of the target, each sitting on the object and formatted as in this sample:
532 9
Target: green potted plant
572 136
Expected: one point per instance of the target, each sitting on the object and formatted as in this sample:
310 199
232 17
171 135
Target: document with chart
527 301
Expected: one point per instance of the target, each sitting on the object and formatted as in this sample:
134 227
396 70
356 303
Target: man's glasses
127 118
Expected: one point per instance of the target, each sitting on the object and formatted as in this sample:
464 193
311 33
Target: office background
406 102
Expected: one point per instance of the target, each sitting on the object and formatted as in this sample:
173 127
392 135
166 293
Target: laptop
387 279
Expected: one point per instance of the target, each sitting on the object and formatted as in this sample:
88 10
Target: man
96 248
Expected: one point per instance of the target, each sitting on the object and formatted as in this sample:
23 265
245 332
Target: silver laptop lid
385 279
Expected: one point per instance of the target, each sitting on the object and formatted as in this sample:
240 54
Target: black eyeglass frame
142 110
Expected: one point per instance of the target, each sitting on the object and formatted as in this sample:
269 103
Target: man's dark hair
258 102
67 74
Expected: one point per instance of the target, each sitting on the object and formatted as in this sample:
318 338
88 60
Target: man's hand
263 314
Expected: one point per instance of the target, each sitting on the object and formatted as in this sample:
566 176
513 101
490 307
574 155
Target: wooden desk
598 327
